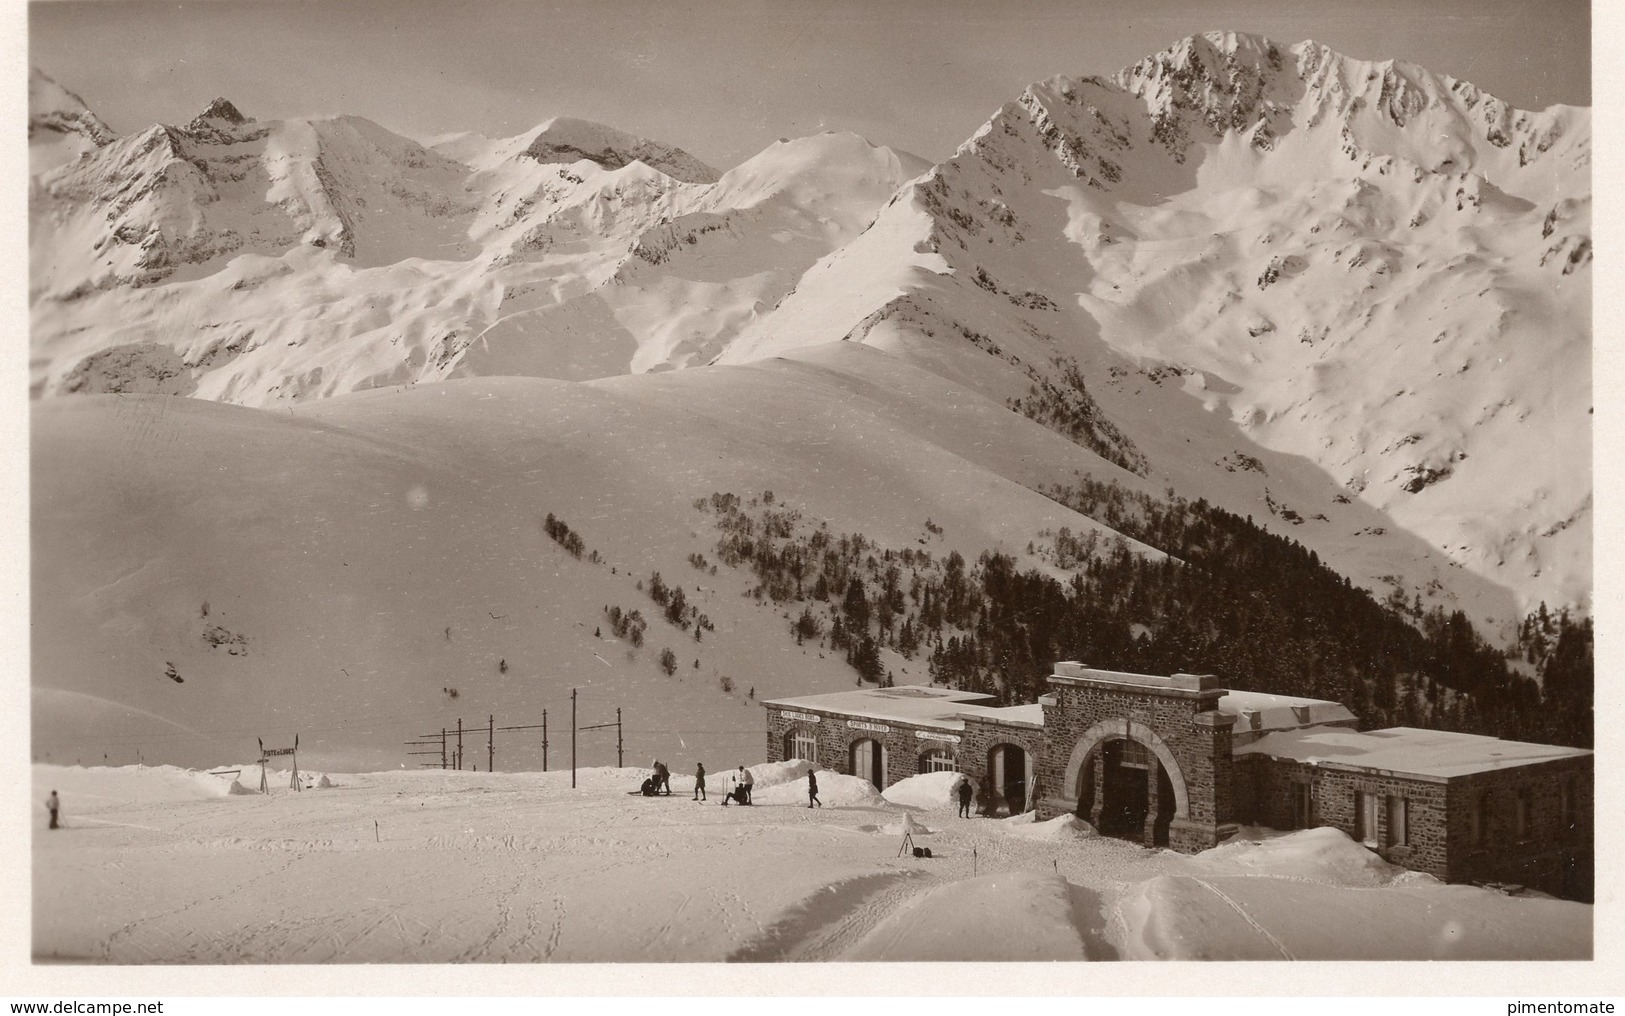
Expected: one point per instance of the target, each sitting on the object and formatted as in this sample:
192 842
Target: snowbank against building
1323 855
780 783
927 791
1269 899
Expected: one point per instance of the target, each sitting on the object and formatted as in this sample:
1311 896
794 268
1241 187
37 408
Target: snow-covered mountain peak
820 169
567 140
219 111
1348 259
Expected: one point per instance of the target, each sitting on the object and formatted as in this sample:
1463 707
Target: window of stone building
1365 817
1399 824
938 761
1480 815
1523 809
1303 805
1135 755
804 745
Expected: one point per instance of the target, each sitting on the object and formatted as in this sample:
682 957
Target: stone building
889 734
1181 762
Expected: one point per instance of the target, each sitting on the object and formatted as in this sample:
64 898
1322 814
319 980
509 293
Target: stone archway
1092 739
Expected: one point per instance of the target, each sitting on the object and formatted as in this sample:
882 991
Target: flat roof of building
1257 710
1179 684
914 703
1439 754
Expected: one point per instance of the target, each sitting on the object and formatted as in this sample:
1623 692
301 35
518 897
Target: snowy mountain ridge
1405 307
60 126
1371 281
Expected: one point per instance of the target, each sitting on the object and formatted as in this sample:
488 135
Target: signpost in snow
269 753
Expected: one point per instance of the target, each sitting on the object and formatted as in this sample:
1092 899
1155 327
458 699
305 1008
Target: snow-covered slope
337 568
1381 272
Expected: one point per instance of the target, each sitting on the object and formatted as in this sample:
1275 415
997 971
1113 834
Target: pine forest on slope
1235 281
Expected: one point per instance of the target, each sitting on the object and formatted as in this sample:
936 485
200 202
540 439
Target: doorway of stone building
1125 788
1007 766
869 761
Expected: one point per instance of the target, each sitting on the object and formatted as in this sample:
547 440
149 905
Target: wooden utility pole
491 743
572 738
544 740
442 747
459 743
619 744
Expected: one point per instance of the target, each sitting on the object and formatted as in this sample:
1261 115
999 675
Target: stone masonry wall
1244 793
905 748
1549 856
1332 803
981 736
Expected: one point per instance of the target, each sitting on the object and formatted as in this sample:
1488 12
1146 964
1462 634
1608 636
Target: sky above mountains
724 80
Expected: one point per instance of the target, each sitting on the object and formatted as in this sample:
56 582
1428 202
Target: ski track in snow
1245 916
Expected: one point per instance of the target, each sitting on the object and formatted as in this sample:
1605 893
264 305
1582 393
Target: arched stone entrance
1127 782
1124 791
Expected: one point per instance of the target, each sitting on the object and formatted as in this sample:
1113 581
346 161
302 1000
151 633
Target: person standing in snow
52 804
745 782
812 789
964 797
699 782
662 778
